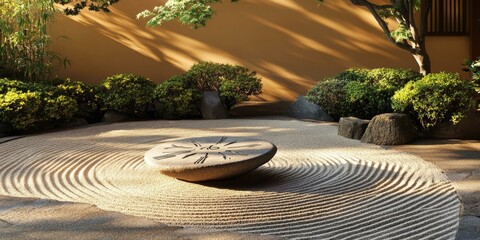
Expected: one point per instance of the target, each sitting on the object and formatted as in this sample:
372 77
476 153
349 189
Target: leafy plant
127 93
392 79
436 98
360 92
177 98
234 83
180 96
86 96
20 108
24 42
365 100
33 105
331 95
354 74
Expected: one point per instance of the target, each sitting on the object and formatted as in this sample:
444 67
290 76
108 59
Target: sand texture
318 185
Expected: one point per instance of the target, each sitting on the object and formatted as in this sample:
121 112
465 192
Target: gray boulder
304 109
390 129
209 158
212 106
5 130
352 127
113 117
467 128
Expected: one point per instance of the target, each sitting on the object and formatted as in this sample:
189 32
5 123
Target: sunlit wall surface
290 43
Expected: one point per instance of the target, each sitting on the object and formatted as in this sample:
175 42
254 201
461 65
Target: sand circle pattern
318 185
209 158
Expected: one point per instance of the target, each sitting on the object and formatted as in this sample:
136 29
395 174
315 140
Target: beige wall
448 53
290 43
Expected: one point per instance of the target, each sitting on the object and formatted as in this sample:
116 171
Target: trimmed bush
365 100
177 98
180 96
360 92
234 83
331 95
33 105
391 79
86 96
353 74
128 94
436 98
20 109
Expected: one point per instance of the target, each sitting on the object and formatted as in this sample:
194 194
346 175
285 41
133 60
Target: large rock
212 106
304 109
467 128
352 127
390 129
209 158
113 117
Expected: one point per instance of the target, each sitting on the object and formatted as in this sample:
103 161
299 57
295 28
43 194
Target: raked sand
318 185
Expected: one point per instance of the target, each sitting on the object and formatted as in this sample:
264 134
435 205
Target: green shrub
180 96
58 107
7 85
331 94
392 79
20 109
436 98
86 96
360 92
353 74
234 83
365 100
177 98
127 93
33 105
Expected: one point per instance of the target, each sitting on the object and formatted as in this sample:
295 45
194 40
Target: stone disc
209 158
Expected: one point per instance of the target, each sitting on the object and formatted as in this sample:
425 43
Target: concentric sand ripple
318 185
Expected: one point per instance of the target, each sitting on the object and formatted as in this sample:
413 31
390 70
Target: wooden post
475 29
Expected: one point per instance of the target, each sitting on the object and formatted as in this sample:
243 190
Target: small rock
304 109
352 127
467 128
390 129
113 117
212 106
5 130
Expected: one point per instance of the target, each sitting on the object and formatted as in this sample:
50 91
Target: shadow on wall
291 44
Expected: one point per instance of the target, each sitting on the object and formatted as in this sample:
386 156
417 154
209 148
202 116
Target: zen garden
240 119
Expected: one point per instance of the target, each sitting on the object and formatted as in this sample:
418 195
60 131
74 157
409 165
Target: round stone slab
209 158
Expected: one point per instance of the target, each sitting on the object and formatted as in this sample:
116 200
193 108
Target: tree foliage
192 12
76 6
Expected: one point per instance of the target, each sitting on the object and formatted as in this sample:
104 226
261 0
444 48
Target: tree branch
383 24
417 37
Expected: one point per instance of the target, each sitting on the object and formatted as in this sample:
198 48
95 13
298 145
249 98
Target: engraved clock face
195 152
